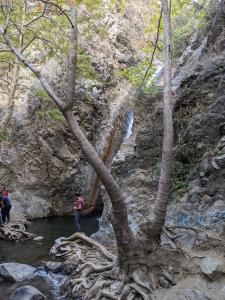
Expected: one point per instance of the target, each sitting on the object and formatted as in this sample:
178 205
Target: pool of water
35 252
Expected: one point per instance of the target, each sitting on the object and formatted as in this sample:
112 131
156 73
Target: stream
35 252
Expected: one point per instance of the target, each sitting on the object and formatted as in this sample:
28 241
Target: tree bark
11 96
123 234
167 152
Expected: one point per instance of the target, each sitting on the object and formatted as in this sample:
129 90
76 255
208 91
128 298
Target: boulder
212 267
53 266
193 294
16 272
27 292
38 238
221 294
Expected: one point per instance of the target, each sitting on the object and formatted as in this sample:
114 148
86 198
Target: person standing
1 211
7 205
79 205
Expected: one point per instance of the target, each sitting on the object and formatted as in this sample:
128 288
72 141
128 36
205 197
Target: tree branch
72 61
37 73
37 18
167 151
155 46
28 44
153 54
59 8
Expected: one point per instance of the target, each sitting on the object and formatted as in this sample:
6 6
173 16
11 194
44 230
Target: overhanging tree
133 249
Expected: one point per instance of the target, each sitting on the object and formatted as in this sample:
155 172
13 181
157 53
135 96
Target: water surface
35 252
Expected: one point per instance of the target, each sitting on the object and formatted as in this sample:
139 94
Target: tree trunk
11 96
149 231
123 234
167 152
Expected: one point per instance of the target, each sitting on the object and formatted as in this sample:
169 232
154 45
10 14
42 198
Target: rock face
16 272
198 191
27 292
40 162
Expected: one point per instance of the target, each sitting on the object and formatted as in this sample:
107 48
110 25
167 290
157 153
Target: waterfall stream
129 124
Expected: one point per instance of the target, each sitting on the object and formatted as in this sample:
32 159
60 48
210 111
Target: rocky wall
197 196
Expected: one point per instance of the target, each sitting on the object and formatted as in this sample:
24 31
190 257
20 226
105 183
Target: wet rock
220 160
168 276
192 294
212 267
221 294
16 272
202 174
204 181
27 292
164 282
53 266
38 238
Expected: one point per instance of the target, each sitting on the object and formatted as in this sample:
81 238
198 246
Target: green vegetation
184 168
84 66
185 24
119 4
136 75
187 17
53 114
41 94
3 135
180 179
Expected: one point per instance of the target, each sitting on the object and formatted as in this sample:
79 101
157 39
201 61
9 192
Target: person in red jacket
5 192
79 205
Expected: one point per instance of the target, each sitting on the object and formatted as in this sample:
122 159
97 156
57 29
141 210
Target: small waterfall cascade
157 75
56 282
129 124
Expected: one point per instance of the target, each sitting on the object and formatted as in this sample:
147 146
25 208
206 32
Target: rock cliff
198 175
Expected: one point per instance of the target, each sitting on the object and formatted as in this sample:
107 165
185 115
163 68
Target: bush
3 135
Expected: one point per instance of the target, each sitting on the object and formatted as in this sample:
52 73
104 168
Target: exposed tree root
94 273
15 230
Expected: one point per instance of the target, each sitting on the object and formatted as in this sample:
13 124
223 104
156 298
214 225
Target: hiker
79 205
1 208
5 192
7 205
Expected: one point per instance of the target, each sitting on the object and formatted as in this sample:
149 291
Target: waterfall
129 124
157 75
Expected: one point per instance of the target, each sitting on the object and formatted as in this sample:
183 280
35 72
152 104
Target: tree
26 36
133 249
